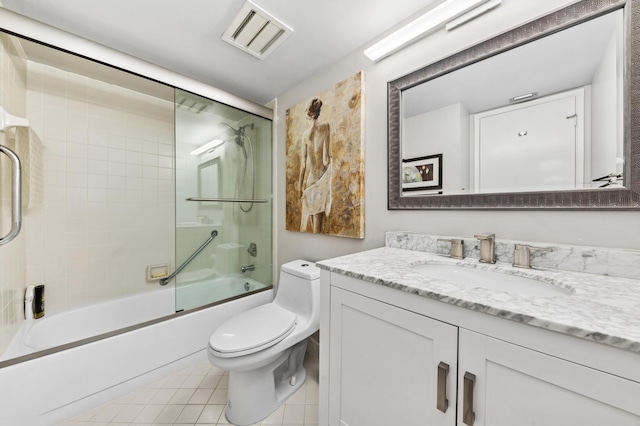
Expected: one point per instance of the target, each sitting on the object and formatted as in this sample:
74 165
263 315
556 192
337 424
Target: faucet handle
487 241
522 255
457 247
485 236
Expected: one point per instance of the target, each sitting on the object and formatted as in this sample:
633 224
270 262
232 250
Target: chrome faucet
487 247
248 268
457 247
522 255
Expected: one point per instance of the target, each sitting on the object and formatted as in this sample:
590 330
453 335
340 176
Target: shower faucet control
253 249
248 268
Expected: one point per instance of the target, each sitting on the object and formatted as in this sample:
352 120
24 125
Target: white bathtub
59 328
55 387
72 325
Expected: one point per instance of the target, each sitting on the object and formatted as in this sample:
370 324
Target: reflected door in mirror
530 147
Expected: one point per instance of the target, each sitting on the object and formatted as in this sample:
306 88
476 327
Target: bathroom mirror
209 182
539 117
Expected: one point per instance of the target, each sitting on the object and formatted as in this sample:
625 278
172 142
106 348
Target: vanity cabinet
519 386
384 362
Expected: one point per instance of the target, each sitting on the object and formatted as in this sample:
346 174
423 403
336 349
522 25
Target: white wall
443 131
596 228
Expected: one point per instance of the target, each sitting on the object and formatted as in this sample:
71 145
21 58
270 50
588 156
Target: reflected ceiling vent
255 31
191 104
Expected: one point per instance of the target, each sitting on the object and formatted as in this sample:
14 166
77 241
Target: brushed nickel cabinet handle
442 402
468 416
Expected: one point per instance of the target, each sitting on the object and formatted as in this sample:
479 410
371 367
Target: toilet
264 348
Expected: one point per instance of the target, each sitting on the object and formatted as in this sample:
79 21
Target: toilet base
254 394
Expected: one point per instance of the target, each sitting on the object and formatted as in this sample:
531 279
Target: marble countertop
599 308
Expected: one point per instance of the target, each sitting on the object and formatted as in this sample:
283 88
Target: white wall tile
76 165
164 161
98 139
150 172
95 152
98 166
150 159
117 142
133 144
76 195
116 155
133 157
117 169
100 170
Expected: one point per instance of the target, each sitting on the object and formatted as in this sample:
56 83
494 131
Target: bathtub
87 321
65 383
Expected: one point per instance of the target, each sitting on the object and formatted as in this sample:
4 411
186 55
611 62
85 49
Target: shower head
8 121
239 135
239 132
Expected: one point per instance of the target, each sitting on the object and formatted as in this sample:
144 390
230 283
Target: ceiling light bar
437 16
522 98
473 14
207 147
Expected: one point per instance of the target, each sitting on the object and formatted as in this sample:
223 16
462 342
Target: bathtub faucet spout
248 268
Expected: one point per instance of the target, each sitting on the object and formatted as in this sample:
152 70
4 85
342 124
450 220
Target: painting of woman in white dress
325 170
315 170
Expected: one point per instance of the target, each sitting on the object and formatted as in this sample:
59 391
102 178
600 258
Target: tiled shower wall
108 208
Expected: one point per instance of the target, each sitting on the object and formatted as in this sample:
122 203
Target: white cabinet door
518 386
384 365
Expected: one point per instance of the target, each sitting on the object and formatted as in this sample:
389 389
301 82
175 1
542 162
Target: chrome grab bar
165 281
227 200
16 195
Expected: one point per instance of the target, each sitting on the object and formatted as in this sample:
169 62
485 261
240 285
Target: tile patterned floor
196 396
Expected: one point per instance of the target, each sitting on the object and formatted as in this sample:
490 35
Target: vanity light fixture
207 147
473 14
432 19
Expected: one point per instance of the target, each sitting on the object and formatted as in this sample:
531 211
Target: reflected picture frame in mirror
620 197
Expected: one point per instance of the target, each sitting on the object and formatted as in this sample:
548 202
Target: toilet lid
253 330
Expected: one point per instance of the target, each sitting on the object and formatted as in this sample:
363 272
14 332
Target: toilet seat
252 331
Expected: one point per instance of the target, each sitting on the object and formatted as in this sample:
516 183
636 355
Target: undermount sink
490 280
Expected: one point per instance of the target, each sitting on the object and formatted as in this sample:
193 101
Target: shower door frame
22 27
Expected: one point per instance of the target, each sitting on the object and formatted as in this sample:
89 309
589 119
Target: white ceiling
562 61
185 35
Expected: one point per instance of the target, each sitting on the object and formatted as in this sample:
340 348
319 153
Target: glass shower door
223 202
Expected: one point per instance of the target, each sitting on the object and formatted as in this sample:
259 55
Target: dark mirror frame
627 198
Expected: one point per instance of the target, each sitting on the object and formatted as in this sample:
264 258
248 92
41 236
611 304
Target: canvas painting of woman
324 159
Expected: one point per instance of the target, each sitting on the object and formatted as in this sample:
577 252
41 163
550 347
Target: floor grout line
196 396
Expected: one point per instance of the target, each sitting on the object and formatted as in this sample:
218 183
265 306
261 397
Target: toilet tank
299 287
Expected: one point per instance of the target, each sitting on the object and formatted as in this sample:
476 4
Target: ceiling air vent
255 31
